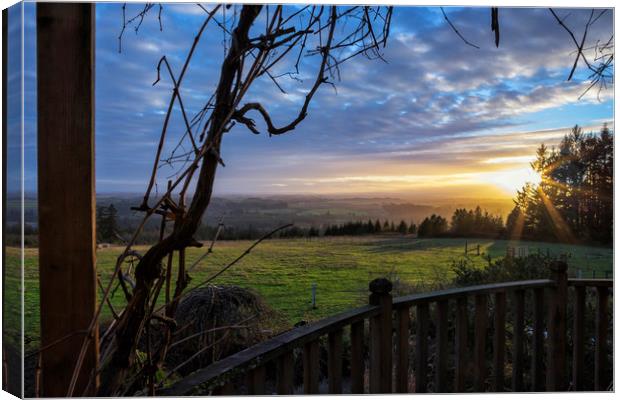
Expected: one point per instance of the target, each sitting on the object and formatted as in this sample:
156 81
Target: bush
506 269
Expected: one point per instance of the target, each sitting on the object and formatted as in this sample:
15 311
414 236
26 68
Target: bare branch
495 24
467 42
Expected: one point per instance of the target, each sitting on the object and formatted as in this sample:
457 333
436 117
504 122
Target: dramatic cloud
437 113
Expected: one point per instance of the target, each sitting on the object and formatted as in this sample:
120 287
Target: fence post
556 325
314 296
66 196
381 337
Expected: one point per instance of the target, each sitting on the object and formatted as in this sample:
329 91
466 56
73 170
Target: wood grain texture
66 189
460 345
256 384
311 367
538 342
421 347
358 367
556 326
518 341
286 367
578 337
480 332
499 341
402 351
334 362
381 344
441 337
600 351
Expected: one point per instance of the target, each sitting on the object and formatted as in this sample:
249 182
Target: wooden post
499 341
556 325
227 389
402 363
381 337
518 341
256 384
311 367
578 337
357 358
480 332
66 191
334 362
286 368
460 351
421 347
538 372
600 351
441 336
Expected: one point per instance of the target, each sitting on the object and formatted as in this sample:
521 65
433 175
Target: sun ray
575 189
560 227
517 231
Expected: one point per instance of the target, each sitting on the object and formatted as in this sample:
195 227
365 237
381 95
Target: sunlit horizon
438 119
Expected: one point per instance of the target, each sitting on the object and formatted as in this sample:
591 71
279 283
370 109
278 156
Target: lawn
283 271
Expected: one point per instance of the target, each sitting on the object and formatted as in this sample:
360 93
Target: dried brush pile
217 321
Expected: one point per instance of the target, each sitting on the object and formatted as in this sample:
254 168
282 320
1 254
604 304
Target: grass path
283 271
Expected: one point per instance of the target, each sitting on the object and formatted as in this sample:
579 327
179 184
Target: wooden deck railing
391 329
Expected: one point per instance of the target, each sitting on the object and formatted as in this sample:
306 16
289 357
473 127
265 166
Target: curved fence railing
424 342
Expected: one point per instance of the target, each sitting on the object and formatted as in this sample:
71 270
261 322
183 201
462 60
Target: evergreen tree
574 200
433 226
370 227
377 226
402 227
107 225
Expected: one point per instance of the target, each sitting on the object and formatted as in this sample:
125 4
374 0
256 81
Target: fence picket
600 352
402 362
311 367
421 347
578 337
517 341
460 344
285 373
499 341
335 362
441 346
357 358
480 331
538 373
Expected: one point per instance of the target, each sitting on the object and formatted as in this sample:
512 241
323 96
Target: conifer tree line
572 203
574 200
107 223
355 228
464 223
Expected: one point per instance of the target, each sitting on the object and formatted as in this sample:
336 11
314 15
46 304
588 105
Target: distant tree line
106 219
574 200
357 228
464 223
208 232
572 203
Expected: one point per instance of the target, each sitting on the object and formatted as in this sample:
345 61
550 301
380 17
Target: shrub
533 266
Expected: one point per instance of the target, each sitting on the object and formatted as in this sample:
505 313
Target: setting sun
513 179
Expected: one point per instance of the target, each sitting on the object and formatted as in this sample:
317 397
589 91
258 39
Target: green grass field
282 271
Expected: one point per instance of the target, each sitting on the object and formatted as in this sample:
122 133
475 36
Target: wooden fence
389 366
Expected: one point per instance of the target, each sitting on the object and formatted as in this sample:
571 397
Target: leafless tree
302 39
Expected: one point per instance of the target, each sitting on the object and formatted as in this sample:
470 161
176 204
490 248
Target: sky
437 118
